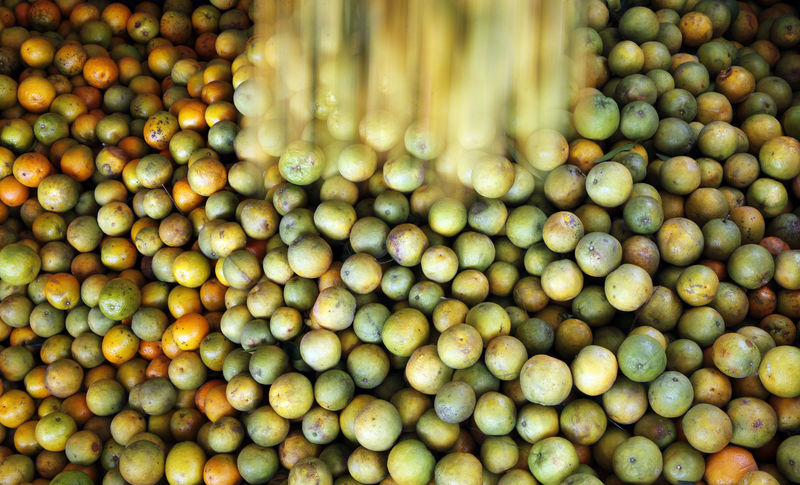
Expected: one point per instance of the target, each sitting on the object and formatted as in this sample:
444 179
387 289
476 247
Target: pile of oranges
102 102
188 297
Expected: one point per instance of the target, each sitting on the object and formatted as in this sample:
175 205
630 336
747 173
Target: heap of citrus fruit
618 304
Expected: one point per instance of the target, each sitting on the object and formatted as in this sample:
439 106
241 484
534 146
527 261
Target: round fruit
609 184
19 264
637 460
220 263
545 380
776 371
670 394
628 287
553 459
708 429
735 355
641 358
594 370
596 117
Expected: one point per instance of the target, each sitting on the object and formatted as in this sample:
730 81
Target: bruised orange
159 129
100 72
31 168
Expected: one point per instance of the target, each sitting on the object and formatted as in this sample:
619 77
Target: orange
16 407
168 345
120 344
90 95
176 105
218 70
230 43
189 330
191 269
696 28
34 383
83 13
12 192
216 403
22 336
150 8
767 50
145 84
761 302
62 290
142 26
583 153
111 161
206 45
757 477
736 83
89 470
200 394
207 176
217 91
85 265
185 198
727 466
35 94
186 52
212 294
194 85
788 411
150 350
221 470
220 111
70 106
116 16
192 116
774 245
44 15
58 148
31 168
25 438
176 27
7 17
78 162
76 406
141 224
129 68
100 72
184 300
161 59
21 14
134 275
37 52
205 19
159 129
83 128
158 367
118 253
133 147
61 83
